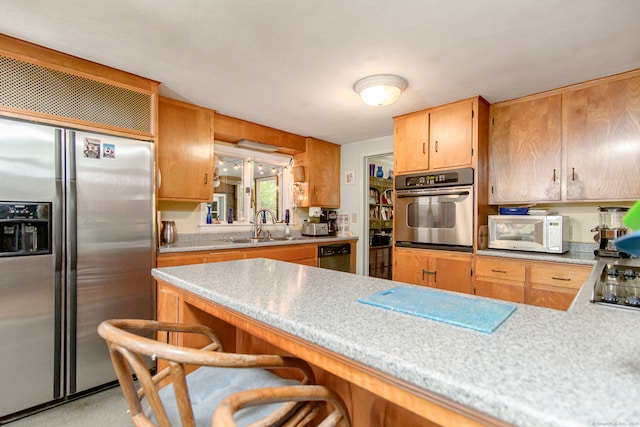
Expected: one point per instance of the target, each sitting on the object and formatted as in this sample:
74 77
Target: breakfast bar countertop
541 367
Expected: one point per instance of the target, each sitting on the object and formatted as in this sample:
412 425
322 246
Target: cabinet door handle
206 178
499 271
561 278
554 175
573 174
436 146
423 147
429 272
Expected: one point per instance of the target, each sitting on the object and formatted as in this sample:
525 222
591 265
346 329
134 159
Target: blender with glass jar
610 228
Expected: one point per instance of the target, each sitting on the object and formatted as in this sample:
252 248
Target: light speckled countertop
212 242
579 253
541 367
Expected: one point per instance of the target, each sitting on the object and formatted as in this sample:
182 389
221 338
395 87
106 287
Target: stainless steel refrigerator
77 243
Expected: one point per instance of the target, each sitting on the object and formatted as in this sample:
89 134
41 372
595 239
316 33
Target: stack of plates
540 212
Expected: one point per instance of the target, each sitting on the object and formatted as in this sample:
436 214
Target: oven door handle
413 193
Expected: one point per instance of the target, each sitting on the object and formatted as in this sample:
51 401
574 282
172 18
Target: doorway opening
379 204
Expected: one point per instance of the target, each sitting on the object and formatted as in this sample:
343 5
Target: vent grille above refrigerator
39 89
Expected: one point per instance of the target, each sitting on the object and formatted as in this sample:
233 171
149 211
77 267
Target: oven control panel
449 178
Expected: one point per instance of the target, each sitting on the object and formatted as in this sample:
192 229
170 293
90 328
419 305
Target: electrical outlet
354 218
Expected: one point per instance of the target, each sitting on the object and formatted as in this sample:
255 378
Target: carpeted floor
103 409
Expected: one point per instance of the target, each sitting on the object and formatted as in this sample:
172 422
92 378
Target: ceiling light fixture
380 90
258 146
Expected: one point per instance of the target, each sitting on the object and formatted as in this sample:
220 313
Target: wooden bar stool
191 398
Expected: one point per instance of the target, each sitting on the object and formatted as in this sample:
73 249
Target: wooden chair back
128 347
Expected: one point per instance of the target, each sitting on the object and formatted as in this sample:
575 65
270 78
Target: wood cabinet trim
571 87
39 55
231 129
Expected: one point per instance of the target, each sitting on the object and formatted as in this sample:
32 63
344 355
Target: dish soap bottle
209 219
287 232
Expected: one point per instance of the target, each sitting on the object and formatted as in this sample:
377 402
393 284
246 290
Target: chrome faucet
257 229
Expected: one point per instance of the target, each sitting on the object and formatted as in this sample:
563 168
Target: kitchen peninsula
541 367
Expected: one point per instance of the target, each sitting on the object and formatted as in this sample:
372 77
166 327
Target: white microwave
535 233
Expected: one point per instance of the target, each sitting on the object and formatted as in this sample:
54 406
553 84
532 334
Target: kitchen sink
264 239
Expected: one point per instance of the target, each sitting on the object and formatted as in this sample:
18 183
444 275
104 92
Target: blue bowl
514 211
629 243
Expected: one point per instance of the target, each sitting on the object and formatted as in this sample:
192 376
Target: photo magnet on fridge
108 151
91 148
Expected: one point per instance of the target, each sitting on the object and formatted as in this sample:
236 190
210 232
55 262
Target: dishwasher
335 257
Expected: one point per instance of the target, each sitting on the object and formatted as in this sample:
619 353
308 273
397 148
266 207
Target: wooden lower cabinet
437 269
304 254
500 289
555 285
544 284
500 278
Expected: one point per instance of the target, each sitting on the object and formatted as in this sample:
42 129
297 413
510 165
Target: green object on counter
632 218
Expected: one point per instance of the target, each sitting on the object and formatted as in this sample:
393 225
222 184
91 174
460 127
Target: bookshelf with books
380 206
380 226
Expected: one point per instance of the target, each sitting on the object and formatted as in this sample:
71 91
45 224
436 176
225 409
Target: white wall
353 196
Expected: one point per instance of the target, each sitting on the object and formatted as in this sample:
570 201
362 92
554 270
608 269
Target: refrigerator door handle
58 247
72 261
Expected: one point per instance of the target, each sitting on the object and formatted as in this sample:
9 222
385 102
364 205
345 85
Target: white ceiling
291 64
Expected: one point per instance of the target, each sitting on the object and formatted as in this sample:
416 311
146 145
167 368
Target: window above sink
245 181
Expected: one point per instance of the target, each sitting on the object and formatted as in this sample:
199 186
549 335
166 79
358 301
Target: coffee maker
610 228
331 218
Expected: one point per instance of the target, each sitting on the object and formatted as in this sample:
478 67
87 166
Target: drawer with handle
559 275
500 268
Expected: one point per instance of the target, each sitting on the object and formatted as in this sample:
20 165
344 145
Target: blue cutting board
481 315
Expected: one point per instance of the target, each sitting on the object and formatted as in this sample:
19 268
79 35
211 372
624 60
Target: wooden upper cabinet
411 142
185 151
603 141
442 137
451 136
577 143
321 161
525 150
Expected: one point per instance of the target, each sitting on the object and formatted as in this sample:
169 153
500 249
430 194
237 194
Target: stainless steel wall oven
434 210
